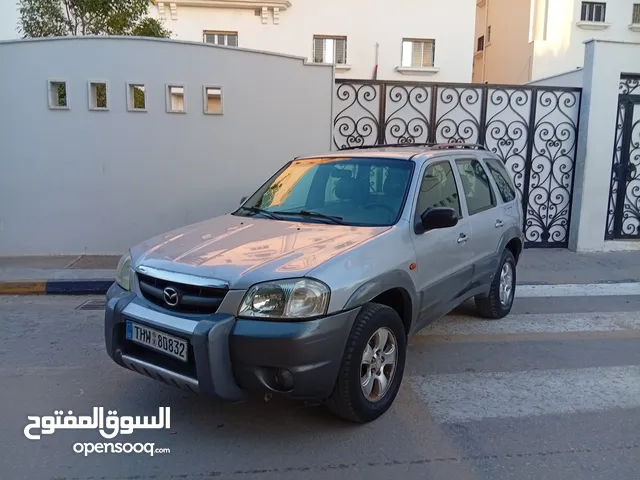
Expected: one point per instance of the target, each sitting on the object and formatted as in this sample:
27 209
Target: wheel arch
394 289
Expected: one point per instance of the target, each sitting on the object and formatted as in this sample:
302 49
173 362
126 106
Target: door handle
462 238
499 224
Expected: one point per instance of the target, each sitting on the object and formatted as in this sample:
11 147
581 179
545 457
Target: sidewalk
94 274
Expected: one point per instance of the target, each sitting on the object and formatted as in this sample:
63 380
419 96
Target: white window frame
220 33
169 105
205 95
407 53
130 97
329 45
92 93
50 84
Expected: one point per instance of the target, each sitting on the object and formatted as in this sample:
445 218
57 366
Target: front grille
191 298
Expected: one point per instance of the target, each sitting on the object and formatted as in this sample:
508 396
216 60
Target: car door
444 256
485 216
511 206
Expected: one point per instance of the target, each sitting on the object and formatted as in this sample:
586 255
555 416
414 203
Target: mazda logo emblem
171 296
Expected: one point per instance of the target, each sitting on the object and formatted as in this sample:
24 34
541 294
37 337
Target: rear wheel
372 365
497 304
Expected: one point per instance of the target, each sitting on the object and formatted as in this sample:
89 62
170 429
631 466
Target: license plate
160 341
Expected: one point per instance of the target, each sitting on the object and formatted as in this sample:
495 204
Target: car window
477 189
501 177
438 189
360 191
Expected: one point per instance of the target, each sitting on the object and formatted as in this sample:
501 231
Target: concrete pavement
93 274
551 392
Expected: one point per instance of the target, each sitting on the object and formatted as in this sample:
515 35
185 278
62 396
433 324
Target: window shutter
318 50
636 13
232 40
341 50
208 38
427 54
416 54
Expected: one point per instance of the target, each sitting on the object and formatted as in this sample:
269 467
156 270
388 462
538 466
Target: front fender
387 281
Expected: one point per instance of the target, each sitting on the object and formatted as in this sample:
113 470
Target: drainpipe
486 29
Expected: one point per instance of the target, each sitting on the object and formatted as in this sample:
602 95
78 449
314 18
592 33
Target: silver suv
312 287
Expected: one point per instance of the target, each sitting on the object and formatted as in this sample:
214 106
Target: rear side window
476 185
501 177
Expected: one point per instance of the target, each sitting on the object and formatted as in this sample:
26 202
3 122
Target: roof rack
445 146
432 146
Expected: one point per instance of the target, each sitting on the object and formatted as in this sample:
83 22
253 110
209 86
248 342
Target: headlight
294 298
123 272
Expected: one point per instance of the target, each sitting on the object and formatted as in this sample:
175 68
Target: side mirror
435 218
242 200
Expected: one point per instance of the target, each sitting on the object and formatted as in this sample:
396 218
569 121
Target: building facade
419 40
518 41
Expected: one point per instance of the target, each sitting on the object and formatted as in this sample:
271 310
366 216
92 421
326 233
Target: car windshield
351 191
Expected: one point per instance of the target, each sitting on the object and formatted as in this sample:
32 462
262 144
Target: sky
8 19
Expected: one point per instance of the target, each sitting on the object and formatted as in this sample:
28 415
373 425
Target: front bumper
231 358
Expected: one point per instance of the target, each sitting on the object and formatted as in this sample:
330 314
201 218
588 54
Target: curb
56 287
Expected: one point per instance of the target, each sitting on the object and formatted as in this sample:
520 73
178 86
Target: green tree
49 18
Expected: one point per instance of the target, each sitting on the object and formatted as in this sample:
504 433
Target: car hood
246 250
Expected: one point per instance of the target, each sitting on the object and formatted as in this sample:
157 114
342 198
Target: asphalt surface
550 392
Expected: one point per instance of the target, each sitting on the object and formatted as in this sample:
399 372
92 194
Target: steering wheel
381 205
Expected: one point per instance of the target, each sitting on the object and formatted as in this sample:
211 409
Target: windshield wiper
260 210
306 213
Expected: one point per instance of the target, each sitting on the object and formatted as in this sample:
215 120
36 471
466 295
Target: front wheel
372 365
497 304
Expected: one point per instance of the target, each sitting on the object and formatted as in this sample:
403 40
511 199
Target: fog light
284 378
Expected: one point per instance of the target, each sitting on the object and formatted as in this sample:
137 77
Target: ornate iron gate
533 129
623 215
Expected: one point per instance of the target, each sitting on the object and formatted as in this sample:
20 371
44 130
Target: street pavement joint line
523 337
465 397
391 463
578 290
535 323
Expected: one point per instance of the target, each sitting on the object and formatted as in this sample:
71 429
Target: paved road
551 392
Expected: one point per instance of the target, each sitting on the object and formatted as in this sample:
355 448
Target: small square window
58 94
327 49
212 100
136 97
98 96
418 52
593 11
230 39
176 99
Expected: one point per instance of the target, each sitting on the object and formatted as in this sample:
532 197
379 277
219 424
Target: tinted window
438 189
361 191
501 177
477 189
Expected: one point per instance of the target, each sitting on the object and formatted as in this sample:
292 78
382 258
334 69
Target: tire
490 306
348 399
